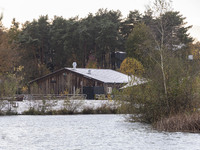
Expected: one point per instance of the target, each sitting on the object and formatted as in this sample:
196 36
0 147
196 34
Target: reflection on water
85 132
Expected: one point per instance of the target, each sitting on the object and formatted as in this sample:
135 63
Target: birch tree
169 29
160 7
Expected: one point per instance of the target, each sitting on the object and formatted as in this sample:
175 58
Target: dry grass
180 123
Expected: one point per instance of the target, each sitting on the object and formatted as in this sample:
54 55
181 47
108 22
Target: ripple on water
87 132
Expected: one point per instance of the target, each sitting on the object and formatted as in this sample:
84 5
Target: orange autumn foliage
131 66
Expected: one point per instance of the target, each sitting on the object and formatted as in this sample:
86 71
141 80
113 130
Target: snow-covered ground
75 105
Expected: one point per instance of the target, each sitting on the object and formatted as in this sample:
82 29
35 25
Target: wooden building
72 79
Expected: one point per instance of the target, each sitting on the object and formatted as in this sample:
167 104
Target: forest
33 49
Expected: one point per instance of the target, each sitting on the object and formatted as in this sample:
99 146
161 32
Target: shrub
88 110
150 103
8 85
131 66
32 111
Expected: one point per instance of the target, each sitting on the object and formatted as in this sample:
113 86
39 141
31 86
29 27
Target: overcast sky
27 10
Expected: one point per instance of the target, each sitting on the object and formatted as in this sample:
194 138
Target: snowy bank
49 105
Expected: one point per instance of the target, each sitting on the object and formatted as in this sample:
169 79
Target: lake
88 132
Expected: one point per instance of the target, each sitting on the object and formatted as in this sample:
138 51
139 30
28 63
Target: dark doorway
91 91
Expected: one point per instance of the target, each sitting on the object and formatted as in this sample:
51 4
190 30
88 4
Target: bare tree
159 8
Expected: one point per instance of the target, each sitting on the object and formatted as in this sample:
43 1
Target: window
109 90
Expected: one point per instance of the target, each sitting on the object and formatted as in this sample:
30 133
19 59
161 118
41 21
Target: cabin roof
103 75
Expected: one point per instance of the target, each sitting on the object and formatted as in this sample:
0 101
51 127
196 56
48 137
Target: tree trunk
162 31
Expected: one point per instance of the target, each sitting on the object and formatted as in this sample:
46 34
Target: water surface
88 132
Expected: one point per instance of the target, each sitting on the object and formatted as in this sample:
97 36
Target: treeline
45 45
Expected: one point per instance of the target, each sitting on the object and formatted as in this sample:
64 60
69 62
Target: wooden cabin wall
78 81
62 82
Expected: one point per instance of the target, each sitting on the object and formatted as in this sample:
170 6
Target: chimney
74 65
89 71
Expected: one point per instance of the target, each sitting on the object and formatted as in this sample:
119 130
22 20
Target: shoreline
58 107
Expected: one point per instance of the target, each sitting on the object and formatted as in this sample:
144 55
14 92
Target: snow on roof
134 81
120 52
103 75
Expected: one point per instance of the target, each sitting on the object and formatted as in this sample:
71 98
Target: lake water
88 132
